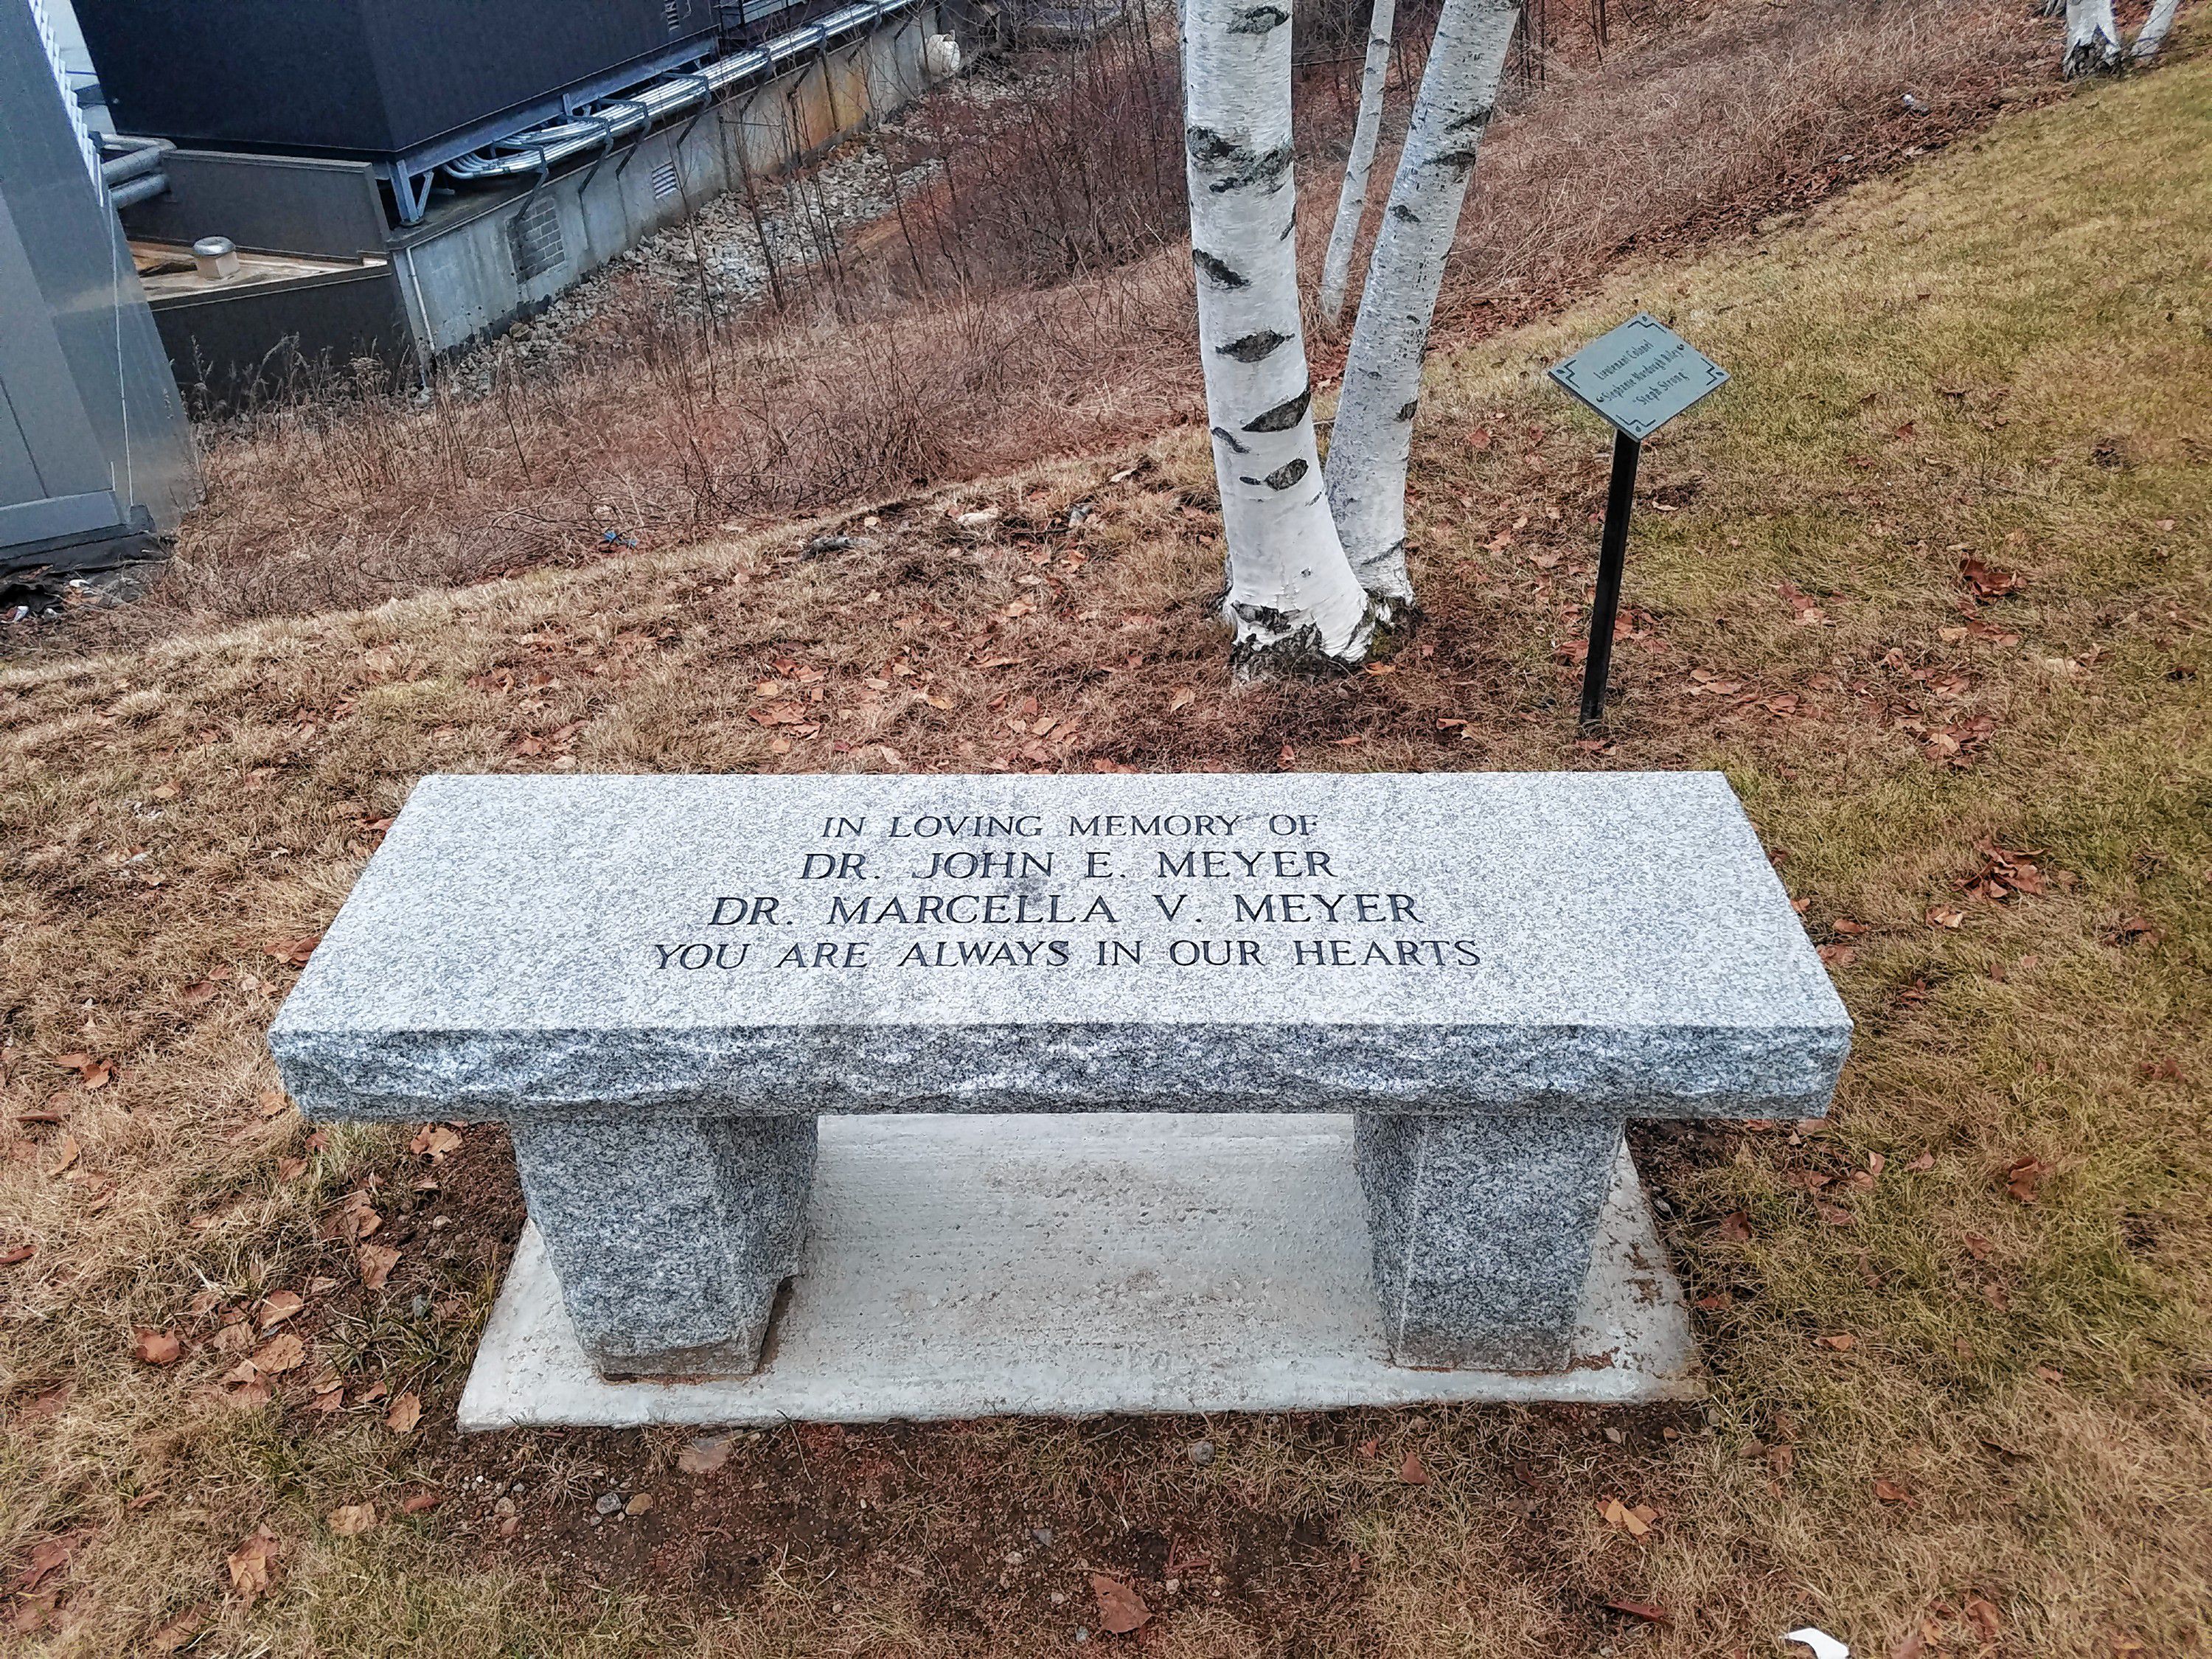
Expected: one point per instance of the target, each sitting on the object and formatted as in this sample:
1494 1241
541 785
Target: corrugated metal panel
365 77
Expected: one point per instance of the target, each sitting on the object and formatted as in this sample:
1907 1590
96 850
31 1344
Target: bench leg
670 1239
1483 1228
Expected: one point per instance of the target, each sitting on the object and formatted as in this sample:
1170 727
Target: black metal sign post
1613 554
1638 377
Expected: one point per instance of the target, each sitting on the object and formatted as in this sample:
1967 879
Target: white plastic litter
1824 1645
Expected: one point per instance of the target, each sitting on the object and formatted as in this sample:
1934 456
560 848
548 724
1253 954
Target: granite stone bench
660 983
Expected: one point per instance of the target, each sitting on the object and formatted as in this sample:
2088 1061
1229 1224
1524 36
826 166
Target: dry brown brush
673 423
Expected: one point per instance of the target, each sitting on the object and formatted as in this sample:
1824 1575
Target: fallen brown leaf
351 1520
420 1503
704 1457
377 1261
1120 1609
2022 1176
179 1632
156 1348
1644 1610
1890 1493
1984 1615
1412 1472
1843 1344
280 1307
1734 1227
252 1563
279 1354
1633 1522
48 1559
406 1412
1986 581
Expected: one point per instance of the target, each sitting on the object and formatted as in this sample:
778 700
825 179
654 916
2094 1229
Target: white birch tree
1351 197
1293 601
2093 39
2152 35
1372 439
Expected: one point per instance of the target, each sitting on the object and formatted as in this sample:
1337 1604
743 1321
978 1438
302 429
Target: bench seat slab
670 1239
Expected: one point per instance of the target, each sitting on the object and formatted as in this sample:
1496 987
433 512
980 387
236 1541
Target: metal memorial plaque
1640 376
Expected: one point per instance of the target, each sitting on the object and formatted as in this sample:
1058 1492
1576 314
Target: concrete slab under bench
962 1267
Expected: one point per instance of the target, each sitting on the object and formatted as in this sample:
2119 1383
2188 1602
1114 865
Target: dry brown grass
1937 365
676 427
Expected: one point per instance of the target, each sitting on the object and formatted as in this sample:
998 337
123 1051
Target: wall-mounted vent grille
664 181
533 237
673 11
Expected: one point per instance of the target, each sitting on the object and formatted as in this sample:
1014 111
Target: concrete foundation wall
472 269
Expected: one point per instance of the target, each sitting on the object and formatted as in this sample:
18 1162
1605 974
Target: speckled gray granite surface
1482 1228
691 947
670 1239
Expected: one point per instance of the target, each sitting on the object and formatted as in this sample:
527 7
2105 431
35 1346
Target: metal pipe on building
542 148
144 188
141 156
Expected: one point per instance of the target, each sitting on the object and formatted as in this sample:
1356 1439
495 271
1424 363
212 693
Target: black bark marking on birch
1285 475
1253 347
1229 438
1216 272
1213 153
1461 161
1284 416
1208 147
1404 214
1269 169
1258 20
1474 118
1278 655
1407 411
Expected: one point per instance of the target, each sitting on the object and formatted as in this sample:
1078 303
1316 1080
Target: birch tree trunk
1293 600
2093 39
2152 35
1351 199
1373 439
